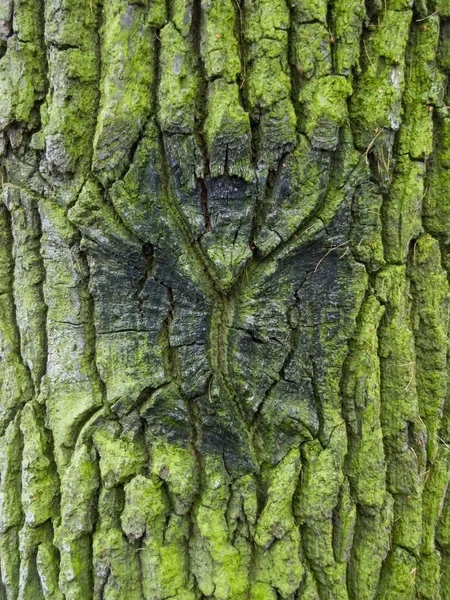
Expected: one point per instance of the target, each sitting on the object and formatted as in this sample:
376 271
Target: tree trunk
224 300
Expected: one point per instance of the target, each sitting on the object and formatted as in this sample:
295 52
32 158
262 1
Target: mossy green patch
430 313
219 46
28 277
126 100
79 486
366 228
10 483
22 82
309 10
227 132
402 209
40 483
121 455
370 546
144 502
424 90
344 524
69 113
164 559
324 102
178 468
116 566
277 562
298 190
399 574
178 86
361 391
347 18
310 52
376 105
47 567
218 565
436 206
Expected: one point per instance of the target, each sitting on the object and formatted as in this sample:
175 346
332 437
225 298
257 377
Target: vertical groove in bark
224 306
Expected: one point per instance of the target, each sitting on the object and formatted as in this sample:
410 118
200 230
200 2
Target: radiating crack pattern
224 305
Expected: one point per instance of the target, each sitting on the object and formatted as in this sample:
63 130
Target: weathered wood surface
224 300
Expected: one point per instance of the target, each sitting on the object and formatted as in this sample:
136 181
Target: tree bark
224 300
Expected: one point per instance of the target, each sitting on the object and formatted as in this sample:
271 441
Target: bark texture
224 300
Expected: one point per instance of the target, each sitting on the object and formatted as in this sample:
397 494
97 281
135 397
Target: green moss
116 566
70 388
137 198
182 15
227 132
10 561
69 115
164 560
314 505
361 391
145 501
309 10
371 543
278 567
75 578
324 102
10 482
219 567
298 190
47 568
443 523
344 524
403 431
310 51
424 90
163 539
268 84
277 133
429 287
428 580
348 17
178 468
319 481
40 484
366 228
262 591
434 496
116 342
120 456
436 206
401 211
71 23
228 261
127 53
79 486
178 87
22 82
277 562
276 518
376 103
219 46
265 19
28 277
398 578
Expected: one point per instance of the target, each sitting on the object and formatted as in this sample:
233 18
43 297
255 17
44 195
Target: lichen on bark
224 300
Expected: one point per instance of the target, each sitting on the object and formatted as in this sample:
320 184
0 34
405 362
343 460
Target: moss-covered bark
224 300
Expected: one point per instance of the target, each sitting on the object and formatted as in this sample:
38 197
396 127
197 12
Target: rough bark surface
224 300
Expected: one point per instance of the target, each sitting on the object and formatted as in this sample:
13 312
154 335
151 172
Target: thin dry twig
329 252
425 18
